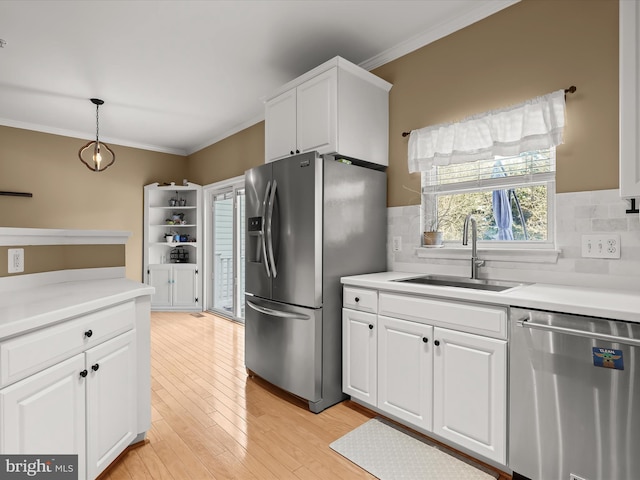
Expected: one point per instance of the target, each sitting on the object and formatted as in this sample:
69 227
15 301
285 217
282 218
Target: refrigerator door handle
262 232
272 201
277 313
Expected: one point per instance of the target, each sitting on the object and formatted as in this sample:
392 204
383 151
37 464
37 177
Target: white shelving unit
172 264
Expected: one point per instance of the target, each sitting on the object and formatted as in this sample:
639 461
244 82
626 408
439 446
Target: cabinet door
470 391
629 99
317 117
184 286
359 353
45 413
160 278
280 126
111 401
405 370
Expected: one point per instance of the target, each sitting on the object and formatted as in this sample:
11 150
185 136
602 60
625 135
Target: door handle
580 333
272 201
262 231
277 313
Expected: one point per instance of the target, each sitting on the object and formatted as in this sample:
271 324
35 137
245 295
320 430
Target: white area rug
389 453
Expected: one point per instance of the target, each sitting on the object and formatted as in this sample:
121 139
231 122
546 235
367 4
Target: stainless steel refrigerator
310 220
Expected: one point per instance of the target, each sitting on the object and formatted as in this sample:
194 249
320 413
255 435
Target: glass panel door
227 296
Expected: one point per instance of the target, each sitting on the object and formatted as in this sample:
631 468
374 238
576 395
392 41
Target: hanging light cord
97 122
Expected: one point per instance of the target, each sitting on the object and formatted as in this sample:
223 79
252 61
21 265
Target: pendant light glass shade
97 156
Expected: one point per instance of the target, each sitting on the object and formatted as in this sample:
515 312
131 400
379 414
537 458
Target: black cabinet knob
437 342
83 373
297 151
88 333
370 327
95 367
357 299
425 339
291 152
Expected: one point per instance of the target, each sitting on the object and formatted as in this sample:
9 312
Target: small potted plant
434 223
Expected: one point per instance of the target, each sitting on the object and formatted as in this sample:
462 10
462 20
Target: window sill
524 255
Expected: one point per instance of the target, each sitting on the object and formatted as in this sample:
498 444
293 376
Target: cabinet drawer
360 299
32 352
472 318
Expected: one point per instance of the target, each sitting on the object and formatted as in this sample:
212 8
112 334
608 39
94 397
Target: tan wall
529 49
50 258
66 194
228 158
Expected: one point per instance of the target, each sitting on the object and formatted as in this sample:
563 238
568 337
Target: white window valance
535 124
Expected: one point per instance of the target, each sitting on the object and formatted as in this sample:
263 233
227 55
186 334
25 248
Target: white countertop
36 307
596 302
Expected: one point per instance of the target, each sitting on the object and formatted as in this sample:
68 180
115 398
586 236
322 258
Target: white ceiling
177 76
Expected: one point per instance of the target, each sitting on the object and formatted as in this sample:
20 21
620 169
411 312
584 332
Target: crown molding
84 136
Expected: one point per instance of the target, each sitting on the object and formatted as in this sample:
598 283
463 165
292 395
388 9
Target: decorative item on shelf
168 221
179 255
432 239
168 237
183 202
436 221
178 218
96 162
173 202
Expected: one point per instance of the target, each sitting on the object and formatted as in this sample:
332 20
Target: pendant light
93 153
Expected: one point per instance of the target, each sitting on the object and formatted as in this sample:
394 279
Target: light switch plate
605 245
15 260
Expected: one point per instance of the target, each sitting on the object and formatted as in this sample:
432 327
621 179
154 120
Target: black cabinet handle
88 333
425 339
437 342
83 373
357 299
297 151
95 367
291 152
370 327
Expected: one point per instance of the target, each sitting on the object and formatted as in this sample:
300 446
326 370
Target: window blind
529 168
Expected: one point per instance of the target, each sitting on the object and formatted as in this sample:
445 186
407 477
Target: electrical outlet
397 244
15 260
601 246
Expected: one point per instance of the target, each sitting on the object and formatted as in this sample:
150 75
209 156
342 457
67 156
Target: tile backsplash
579 213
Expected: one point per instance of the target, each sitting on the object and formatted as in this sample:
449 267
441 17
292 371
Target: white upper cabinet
337 107
629 99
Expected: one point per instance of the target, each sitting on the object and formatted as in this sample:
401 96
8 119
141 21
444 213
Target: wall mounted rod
16 194
571 89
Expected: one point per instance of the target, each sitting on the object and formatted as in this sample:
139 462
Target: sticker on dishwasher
608 358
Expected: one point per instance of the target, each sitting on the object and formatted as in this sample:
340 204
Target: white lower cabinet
84 405
416 364
405 370
45 413
469 391
359 367
111 401
176 286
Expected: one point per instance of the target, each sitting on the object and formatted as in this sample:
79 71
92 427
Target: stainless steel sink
462 282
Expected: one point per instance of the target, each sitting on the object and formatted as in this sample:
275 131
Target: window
511 199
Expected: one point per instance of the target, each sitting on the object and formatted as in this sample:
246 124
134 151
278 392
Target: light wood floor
210 421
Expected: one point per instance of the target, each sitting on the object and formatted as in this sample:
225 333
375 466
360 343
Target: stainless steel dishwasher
574 407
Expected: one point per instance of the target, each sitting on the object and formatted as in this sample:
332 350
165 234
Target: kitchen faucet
475 263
